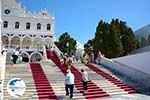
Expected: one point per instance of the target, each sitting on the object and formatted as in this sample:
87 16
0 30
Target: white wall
139 61
136 66
141 50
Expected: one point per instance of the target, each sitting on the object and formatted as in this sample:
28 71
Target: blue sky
80 17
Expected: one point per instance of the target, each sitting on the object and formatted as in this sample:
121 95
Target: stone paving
56 78
20 71
129 80
144 92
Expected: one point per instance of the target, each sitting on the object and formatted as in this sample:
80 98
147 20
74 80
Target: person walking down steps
84 80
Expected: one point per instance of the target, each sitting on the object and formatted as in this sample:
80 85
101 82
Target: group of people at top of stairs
90 58
86 58
83 57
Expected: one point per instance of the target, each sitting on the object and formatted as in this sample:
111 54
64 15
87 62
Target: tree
114 39
128 41
98 40
115 44
89 45
107 40
66 44
137 44
148 39
143 42
127 36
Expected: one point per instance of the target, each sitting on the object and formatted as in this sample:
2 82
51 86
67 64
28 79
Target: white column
32 39
32 48
9 43
21 42
44 53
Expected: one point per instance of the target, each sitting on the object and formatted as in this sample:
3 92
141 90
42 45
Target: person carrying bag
84 80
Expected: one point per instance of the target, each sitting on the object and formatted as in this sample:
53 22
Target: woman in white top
84 80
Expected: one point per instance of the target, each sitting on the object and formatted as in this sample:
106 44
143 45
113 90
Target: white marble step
59 86
106 85
22 71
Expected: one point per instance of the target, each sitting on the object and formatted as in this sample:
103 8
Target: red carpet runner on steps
112 79
93 91
43 87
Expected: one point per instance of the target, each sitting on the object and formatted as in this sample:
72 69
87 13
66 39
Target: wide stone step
25 94
56 79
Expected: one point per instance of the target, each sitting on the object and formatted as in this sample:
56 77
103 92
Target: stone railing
138 75
58 52
2 72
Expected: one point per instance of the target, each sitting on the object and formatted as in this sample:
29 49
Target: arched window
28 25
38 26
5 24
17 25
48 27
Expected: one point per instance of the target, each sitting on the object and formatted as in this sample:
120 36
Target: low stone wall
138 75
141 50
2 73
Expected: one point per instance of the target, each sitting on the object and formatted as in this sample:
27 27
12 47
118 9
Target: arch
25 56
5 40
15 41
35 56
48 42
37 43
26 42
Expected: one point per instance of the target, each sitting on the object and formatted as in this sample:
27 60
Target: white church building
30 31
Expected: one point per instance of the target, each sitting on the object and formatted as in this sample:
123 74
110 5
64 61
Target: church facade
30 31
